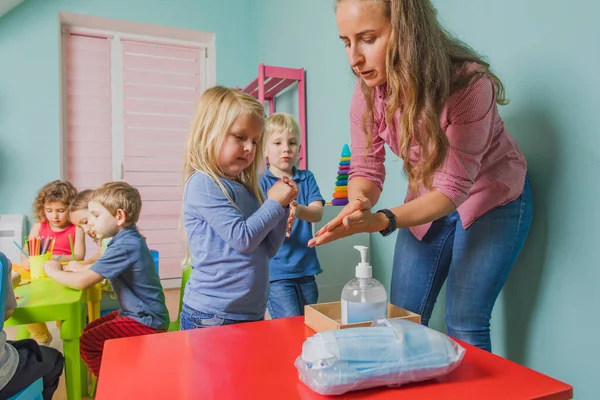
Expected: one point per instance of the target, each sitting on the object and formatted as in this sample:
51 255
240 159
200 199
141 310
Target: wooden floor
172 298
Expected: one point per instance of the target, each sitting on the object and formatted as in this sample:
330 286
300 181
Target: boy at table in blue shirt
127 263
293 269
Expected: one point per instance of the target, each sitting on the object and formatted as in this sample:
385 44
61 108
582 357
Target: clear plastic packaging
392 352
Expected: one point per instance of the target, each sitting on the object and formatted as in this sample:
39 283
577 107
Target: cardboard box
328 316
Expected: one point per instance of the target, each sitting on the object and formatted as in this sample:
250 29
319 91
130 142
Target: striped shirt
484 168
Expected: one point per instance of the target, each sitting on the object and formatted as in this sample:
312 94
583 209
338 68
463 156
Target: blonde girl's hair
215 113
54 192
425 64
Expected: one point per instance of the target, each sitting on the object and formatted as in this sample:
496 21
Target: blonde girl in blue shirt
231 232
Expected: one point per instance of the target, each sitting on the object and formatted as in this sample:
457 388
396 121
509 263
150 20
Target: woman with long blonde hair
231 232
467 212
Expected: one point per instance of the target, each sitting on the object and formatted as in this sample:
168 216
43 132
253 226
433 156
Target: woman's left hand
360 220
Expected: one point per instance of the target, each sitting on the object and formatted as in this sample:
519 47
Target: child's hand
15 278
292 184
73 266
282 192
52 266
291 218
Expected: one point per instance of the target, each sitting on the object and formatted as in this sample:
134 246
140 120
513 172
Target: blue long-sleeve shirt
230 246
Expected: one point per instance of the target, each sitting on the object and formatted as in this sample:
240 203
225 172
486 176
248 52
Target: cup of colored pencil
38 250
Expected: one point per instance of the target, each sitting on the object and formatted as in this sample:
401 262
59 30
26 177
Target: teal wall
29 75
548 57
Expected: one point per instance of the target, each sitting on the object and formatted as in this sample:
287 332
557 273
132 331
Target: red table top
256 361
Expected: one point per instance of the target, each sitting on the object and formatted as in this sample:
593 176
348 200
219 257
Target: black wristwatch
392 218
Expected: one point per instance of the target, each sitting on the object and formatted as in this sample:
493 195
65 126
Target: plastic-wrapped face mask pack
392 352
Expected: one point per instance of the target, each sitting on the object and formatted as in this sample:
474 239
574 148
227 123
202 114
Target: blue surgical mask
391 353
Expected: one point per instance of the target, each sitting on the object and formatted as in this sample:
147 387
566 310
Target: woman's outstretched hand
355 217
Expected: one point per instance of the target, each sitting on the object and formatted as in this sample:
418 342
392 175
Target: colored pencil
71 244
46 245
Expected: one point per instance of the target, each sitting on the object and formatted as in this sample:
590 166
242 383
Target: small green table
46 300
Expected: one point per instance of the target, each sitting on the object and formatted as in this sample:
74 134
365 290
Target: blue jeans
192 319
474 261
287 297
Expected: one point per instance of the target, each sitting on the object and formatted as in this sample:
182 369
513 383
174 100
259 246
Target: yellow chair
94 295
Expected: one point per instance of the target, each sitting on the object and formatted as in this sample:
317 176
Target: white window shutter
88 110
161 83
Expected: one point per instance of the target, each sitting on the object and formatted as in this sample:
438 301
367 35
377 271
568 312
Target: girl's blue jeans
474 262
192 319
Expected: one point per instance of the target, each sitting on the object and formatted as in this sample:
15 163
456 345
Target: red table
256 361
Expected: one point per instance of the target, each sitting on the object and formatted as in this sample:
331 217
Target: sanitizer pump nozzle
363 269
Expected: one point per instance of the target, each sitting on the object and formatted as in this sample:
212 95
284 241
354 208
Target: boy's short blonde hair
281 122
119 195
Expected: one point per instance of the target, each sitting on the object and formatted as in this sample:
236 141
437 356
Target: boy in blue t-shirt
127 263
293 269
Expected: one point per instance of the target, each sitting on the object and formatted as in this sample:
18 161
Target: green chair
185 277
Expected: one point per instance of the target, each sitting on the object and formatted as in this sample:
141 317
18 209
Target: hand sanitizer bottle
363 298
